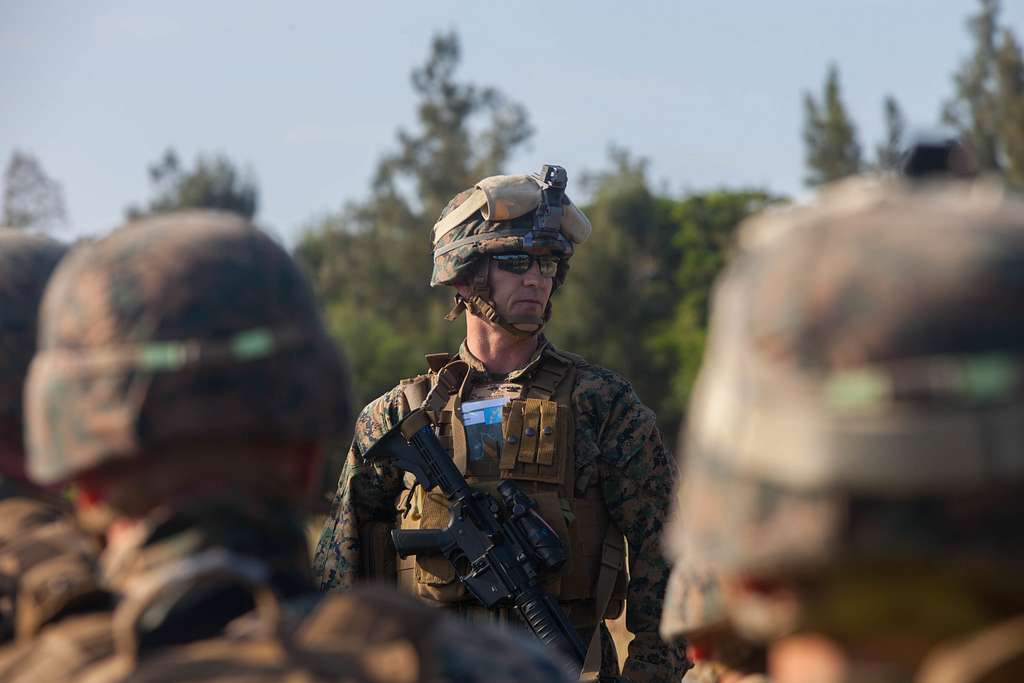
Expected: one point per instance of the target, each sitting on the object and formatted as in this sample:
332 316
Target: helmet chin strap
479 304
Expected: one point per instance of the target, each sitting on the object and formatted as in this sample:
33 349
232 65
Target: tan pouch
433 575
588 531
535 432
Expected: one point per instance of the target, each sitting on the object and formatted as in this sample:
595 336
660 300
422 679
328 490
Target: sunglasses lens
548 267
520 263
514 263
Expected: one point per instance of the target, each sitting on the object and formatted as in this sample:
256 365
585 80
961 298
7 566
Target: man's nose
533 277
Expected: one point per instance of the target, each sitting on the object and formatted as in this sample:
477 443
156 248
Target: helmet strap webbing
479 304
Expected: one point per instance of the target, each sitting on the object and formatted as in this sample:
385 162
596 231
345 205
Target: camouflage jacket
223 593
617 441
47 564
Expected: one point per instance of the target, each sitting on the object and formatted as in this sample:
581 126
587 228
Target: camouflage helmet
507 213
504 214
26 262
183 328
861 400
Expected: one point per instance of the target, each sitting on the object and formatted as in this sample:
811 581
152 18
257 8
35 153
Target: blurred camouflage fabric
853 341
26 262
857 425
192 325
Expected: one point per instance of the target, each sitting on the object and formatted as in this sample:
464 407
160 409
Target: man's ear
463 290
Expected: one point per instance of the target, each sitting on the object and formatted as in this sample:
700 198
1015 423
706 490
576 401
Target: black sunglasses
520 263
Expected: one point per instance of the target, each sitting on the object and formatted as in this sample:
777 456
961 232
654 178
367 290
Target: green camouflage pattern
507 236
180 327
860 399
26 262
617 441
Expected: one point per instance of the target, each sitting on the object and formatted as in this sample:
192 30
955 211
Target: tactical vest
537 452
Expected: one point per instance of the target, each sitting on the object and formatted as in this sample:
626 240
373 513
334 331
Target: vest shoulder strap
436 361
550 375
414 390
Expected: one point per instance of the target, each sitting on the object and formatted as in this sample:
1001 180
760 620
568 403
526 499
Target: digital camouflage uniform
620 470
47 565
189 342
855 458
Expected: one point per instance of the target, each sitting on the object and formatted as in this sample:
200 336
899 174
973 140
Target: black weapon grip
547 621
418 541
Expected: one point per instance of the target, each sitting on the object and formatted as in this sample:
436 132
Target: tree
889 153
637 294
214 183
705 232
1010 76
31 198
987 107
832 150
973 110
370 262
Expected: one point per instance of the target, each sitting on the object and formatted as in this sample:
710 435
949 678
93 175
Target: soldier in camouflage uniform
855 461
184 383
47 565
571 434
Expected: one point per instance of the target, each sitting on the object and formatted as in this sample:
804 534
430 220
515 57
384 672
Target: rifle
498 554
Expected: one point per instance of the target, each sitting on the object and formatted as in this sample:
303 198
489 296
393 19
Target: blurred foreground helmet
26 262
182 328
862 396
504 214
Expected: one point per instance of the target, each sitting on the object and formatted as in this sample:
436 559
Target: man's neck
500 351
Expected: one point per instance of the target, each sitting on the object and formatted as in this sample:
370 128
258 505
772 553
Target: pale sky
310 97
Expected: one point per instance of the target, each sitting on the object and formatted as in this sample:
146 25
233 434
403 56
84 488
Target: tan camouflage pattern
367 635
47 564
693 602
617 441
859 399
186 580
186 326
459 263
26 262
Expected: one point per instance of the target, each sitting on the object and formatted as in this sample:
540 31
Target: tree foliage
987 106
1010 72
31 198
830 137
636 298
370 262
214 182
973 108
889 152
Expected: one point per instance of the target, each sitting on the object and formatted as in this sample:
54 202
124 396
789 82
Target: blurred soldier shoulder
185 385
511 406
694 613
855 457
48 576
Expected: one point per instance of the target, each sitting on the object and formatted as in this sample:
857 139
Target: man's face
517 294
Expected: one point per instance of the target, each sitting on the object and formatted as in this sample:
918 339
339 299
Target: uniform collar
477 366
